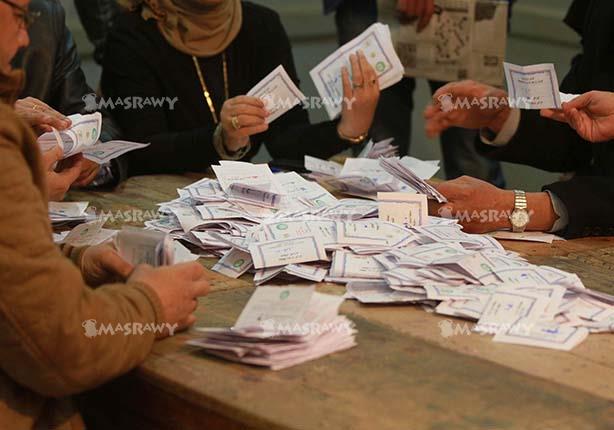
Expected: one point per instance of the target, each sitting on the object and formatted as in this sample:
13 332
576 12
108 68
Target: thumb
580 102
52 156
114 263
71 174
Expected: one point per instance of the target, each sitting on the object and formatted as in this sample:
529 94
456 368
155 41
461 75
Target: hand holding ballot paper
83 138
376 48
590 114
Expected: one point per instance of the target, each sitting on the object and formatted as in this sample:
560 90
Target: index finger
554 114
55 120
248 100
200 288
580 102
427 14
115 263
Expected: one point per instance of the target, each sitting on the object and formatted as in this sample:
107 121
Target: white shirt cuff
509 129
561 211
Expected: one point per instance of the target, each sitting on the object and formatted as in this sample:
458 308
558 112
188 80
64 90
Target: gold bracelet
352 140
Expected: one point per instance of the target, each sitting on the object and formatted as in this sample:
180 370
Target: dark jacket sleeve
291 137
53 66
130 71
589 201
544 144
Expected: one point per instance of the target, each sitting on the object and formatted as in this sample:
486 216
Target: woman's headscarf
202 28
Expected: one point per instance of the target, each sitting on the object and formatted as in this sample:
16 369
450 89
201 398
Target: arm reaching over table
591 115
481 207
467 104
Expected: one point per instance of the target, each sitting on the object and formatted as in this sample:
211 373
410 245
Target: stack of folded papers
69 213
281 327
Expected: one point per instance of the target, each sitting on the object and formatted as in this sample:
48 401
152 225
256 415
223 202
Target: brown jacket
45 306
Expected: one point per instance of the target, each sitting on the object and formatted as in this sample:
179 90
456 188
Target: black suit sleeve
292 136
129 72
544 144
590 204
556 147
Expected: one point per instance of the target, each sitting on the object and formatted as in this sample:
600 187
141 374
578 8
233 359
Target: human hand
454 105
89 171
480 207
40 116
102 264
242 117
591 115
421 9
360 97
178 288
60 174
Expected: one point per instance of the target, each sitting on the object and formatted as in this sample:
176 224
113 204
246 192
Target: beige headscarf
195 27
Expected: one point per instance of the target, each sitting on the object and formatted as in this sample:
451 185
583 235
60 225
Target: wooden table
404 373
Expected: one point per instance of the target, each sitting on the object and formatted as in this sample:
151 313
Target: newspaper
465 39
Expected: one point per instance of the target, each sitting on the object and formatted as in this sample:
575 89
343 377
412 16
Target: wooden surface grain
404 373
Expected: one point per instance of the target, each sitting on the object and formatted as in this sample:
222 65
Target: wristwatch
520 216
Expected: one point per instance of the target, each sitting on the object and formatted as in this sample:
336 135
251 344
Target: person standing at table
393 117
580 206
208 54
51 306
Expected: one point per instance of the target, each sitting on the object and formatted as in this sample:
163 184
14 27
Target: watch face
519 218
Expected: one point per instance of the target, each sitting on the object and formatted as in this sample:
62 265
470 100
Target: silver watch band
520 200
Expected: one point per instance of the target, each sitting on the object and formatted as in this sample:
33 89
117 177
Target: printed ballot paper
83 134
139 246
278 92
403 208
377 46
83 137
103 152
281 327
534 87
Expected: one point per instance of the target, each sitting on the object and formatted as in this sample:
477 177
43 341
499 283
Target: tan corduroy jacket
45 306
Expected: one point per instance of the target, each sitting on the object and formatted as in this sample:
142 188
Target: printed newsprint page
465 39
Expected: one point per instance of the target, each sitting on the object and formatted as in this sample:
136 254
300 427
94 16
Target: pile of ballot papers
69 213
283 228
281 327
365 177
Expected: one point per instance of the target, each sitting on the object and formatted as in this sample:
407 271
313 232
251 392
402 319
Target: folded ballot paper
281 327
67 213
534 87
278 92
138 246
366 177
83 137
377 45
